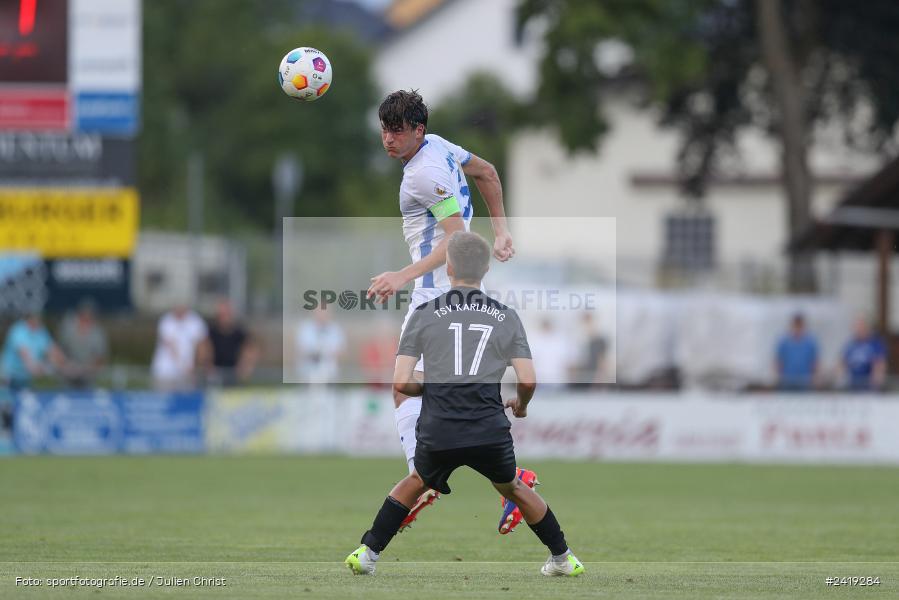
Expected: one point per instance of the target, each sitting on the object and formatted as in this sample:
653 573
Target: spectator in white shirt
552 354
180 333
320 342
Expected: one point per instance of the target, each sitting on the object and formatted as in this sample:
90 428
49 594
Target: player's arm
487 180
437 257
386 284
527 385
404 380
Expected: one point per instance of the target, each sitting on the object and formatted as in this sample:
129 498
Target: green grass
280 527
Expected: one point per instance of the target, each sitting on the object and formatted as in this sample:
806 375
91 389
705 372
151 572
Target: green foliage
210 86
481 118
699 61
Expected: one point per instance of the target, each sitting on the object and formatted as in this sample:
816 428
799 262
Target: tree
480 117
210 87
717 67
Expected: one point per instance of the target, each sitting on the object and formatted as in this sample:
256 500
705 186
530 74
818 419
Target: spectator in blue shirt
797 357
28 352
865 359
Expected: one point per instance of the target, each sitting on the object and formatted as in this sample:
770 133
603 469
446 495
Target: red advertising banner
34 109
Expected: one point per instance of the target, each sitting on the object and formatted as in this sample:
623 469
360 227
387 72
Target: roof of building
406 13
868 208
362 23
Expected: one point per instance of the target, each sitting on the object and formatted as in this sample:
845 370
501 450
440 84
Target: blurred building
174 268
733 240
410 58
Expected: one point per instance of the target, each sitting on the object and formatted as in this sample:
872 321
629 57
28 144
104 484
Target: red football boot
426 499
512 516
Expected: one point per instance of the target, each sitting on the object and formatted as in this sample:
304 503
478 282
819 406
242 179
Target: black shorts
496 462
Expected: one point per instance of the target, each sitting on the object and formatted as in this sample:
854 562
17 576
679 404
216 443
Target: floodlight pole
195 202
884 243
287 180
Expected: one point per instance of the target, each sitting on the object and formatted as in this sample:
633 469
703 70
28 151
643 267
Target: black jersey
467 339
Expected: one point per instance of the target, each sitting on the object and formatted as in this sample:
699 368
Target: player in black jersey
467 339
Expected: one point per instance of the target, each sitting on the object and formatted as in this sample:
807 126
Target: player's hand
385 285
502 247
519 409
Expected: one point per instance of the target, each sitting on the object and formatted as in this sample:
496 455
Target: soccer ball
305 74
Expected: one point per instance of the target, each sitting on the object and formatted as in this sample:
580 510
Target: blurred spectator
231 351
84 343
377 355
797 357
592 356
865 359
179 335
28 352
319 343
552 354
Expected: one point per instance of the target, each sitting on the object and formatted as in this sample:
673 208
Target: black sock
550 533
387 523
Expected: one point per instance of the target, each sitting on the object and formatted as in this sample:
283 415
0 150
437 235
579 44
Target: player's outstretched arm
404 378
527 385
386 284
487 180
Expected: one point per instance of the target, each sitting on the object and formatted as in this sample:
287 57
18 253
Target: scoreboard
34 41
70 79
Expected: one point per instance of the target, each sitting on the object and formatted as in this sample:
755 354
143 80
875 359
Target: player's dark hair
403 107
469 254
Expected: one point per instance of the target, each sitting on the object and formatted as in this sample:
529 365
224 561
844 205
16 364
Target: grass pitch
281 527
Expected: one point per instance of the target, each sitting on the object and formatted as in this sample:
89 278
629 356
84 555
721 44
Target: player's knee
414 479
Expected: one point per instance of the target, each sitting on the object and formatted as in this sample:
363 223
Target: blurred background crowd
745 150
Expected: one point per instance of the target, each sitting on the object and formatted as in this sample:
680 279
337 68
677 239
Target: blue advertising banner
109 113
99 422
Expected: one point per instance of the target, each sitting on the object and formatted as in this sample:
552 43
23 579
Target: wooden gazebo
866 220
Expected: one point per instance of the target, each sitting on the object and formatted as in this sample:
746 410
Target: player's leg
436 467
386 524
511 515
496 462
407 408
532 506
406 417
543 523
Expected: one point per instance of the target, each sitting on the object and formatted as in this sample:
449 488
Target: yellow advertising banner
69 222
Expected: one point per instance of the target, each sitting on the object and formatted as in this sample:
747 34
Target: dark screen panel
34 41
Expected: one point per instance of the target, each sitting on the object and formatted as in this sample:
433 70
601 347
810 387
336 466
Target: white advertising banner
105 45
105 66
762 428
757 428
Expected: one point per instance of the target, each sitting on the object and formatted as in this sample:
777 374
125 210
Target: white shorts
421 296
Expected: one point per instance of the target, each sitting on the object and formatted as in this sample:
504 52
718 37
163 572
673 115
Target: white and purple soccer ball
305 74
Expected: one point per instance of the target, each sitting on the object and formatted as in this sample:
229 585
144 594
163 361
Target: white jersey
433 175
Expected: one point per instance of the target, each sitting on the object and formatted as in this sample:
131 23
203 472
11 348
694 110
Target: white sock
372 555
561 557
406 416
